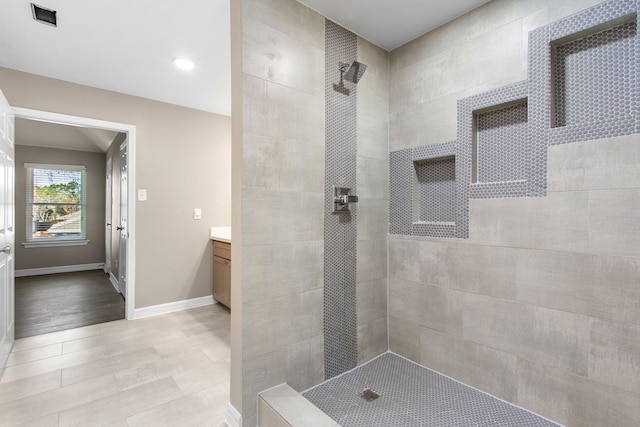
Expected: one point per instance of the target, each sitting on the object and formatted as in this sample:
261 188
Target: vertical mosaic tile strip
584 75
411 395
340 327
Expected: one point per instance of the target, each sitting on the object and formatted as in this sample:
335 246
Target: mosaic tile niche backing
340 327
583 75
583 85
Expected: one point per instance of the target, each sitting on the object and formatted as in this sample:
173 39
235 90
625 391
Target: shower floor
410 396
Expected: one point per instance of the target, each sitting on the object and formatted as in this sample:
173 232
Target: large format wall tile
279 322
614 358
279 217
595 165
558 221
614 222
574 400
597 285
286 37
267 279
482 367
555 338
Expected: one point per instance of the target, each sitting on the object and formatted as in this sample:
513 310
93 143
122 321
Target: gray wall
279 146
183 160
540 305
71 255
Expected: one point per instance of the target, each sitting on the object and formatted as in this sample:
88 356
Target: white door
108 215
124 234
7 216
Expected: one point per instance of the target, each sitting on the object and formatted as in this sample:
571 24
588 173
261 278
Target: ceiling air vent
46 16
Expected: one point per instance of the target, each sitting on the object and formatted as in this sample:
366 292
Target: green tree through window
56 203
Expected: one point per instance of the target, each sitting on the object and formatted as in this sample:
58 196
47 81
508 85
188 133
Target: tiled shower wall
283 191
541 305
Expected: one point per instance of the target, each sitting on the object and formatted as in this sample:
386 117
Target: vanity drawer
222 249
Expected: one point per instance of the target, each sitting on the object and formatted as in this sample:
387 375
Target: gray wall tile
280 322
558 221
267 279
372 339
597 285
595 165
482 367
531 332
614 358
404 337
614 221
268 219
373 220
574 400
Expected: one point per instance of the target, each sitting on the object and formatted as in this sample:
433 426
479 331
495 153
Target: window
56 205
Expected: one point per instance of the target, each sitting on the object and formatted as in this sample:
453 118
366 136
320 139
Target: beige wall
183 159
70 255
540 305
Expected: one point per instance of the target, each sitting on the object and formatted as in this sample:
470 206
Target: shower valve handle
346 199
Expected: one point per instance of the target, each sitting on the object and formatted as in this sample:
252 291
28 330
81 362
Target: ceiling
65 137
392 23
127 46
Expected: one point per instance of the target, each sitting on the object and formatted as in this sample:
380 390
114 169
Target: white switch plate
197 213
142 195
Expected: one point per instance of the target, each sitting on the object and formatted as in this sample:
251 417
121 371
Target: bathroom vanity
221 239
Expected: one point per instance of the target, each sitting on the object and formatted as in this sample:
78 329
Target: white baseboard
58 269
234 419
114 282
172 306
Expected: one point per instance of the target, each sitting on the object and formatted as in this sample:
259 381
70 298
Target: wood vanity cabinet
222 272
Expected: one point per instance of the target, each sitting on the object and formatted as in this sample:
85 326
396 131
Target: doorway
128 275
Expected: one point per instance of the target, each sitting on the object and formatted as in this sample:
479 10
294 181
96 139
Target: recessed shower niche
428 195
583 74
592 72
435 189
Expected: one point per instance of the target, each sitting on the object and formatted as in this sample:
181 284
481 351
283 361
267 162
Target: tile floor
167 370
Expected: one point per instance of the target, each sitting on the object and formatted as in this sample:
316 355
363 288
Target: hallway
166 370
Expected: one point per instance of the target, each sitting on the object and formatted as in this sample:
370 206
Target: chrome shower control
341 198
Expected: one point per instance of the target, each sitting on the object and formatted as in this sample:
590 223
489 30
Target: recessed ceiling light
46 16
183 64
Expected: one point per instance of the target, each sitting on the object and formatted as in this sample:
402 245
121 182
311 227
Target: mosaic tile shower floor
410 396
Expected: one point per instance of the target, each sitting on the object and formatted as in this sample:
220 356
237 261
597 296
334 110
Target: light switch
142 195
197 213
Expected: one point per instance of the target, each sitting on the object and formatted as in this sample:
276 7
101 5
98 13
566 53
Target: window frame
49 241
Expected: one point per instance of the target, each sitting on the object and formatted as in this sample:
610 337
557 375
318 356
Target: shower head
355 72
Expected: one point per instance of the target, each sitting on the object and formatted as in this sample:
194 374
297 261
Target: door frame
130 130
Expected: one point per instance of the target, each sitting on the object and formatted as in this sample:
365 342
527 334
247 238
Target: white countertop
221 234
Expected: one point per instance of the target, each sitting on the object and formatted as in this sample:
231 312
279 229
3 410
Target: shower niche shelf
427 195
503 158
435 189
584 73
592 72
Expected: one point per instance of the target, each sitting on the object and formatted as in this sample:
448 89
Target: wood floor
167 370
57 302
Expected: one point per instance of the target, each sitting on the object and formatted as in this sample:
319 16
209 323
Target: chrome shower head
355 72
